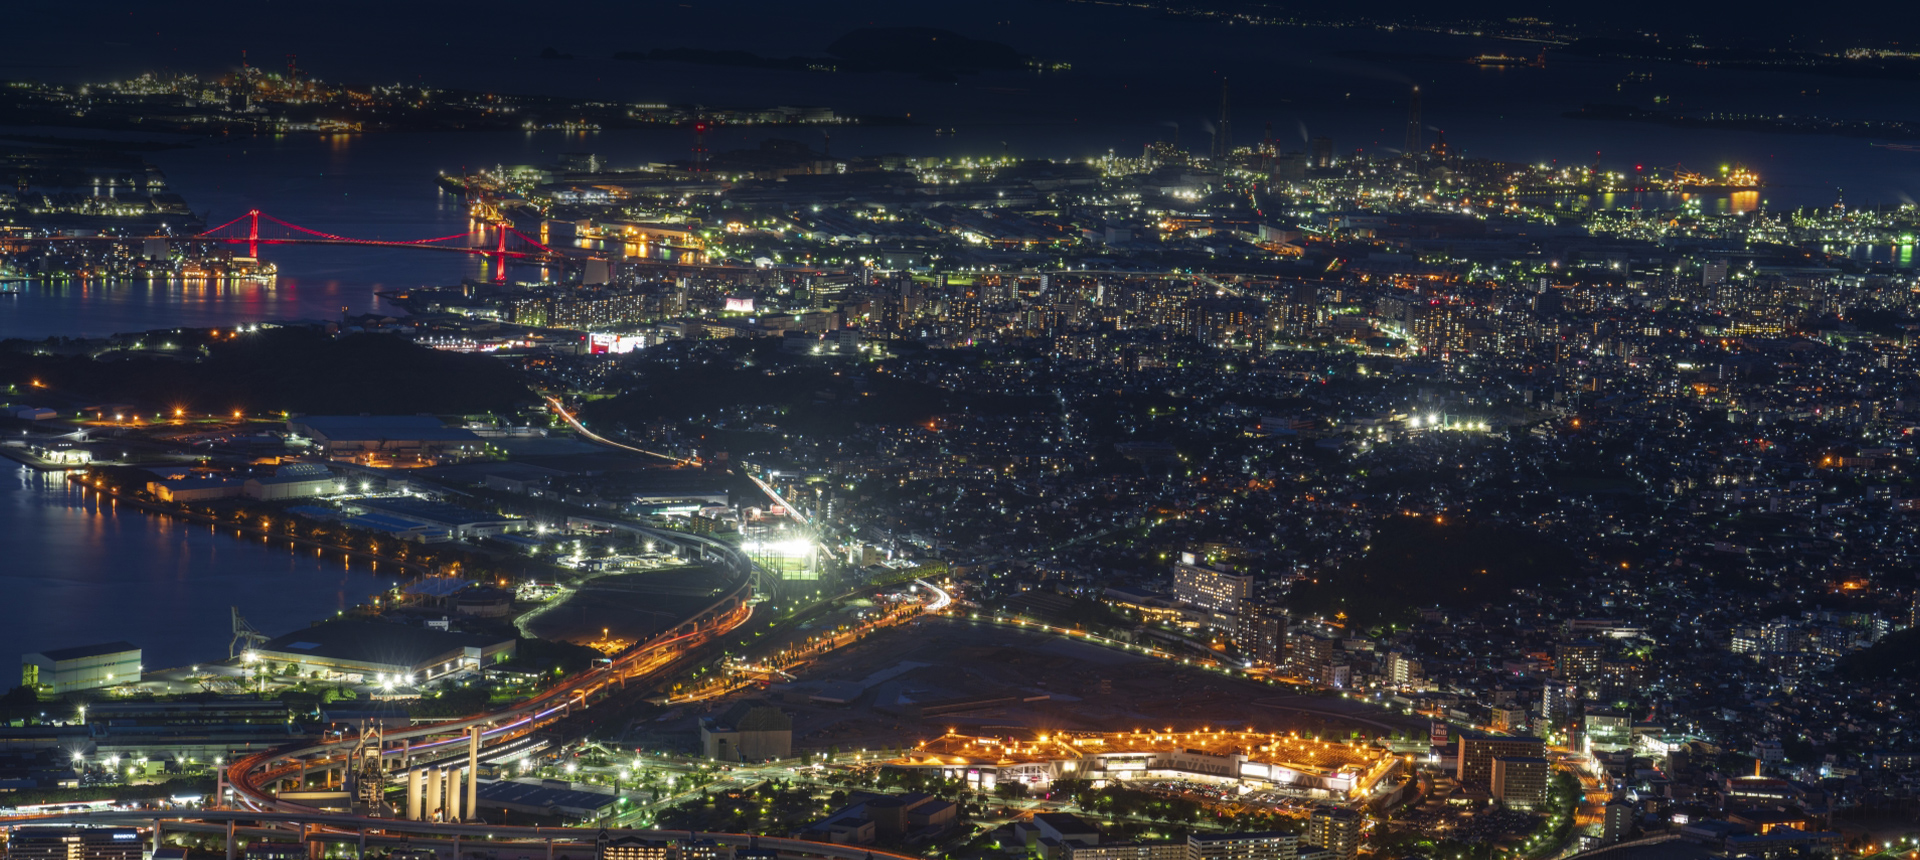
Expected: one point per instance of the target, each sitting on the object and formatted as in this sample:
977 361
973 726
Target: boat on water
1508 60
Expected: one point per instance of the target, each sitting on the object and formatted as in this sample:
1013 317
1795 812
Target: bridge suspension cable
322 235
253 217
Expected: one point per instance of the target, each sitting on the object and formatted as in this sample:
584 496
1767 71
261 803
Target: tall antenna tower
700 127
1223 139
1413 124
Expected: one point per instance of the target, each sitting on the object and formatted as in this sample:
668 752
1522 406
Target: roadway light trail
589 434
778 500
249 777
941 599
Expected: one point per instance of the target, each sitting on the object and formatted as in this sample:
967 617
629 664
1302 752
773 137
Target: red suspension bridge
498 241
256 228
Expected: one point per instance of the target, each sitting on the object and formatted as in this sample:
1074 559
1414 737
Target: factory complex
1288 762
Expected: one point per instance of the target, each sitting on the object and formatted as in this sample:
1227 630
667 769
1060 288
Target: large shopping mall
1313 768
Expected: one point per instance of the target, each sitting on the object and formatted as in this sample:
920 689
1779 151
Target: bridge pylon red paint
500 256
508 243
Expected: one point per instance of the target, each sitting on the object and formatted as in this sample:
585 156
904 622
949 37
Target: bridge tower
500 255
253 233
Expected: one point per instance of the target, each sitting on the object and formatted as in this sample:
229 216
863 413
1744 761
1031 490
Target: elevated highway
253 779
498 841
256 812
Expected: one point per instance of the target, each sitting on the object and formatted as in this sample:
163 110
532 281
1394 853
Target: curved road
251 777
582 430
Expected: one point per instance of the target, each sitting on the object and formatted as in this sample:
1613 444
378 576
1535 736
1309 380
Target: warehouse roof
559 796
430 512
374 428
84 651
377 642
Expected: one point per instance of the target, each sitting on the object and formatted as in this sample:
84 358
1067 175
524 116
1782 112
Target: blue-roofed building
403 529
315 512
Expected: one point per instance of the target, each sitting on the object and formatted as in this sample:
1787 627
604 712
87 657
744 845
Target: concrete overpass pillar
361 852
156 837
231 846
436 794
427 802
416 788
461 778
473 773
316 849
549 850
456 846
453 794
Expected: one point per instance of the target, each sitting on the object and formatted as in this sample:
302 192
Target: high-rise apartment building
1521 780
1208 588
1616 822
1273 845
1402 671
1579 661
1262 633
1310 656
1337 830
1477 752
1556 704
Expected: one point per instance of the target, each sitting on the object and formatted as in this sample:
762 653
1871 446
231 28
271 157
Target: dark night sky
398 40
